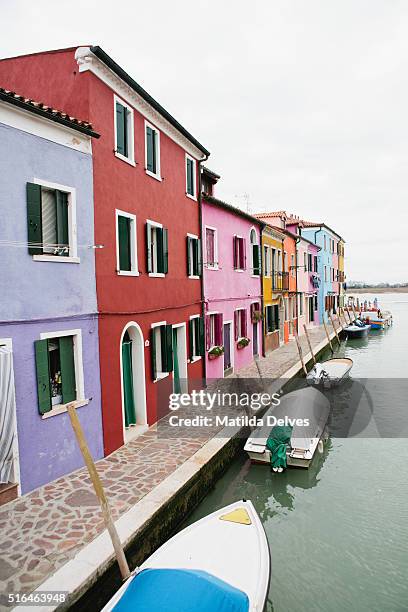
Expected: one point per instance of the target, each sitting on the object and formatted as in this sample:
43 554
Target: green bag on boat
277 442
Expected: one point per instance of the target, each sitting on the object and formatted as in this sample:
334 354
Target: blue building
328 265
49 349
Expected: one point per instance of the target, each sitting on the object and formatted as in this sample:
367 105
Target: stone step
8 492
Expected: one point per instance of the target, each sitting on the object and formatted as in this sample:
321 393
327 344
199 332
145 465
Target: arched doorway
132 368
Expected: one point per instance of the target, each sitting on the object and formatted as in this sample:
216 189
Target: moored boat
358 329
330 373
221 562
377 319
307 412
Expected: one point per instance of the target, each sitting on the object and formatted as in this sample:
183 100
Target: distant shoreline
377 290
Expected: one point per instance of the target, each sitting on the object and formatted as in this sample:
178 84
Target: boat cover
180 590
277 443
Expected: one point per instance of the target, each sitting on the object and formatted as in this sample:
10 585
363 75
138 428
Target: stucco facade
47 296
272 282
230 286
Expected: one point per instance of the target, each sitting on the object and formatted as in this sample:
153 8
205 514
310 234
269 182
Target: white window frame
156 176
131 131
211 266
155 274
79 369
133 244
267 260
243 243
159 375
195 357
72 224
211 314
193 276
252 229
241 310
192 197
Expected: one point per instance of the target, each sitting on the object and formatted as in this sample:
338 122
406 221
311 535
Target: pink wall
226 289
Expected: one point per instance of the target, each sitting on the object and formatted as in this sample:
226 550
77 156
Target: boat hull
357 332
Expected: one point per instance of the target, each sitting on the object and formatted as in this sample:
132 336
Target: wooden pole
339 319
348 314
309 343
300 352
100 493
334 327
327 334
354 312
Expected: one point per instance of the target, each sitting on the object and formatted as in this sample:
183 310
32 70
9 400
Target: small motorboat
221 562
330 373
306 411
378 319
358 329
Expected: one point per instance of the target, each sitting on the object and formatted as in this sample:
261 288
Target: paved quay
51 534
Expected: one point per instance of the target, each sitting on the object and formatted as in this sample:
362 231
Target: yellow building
274 287
342 277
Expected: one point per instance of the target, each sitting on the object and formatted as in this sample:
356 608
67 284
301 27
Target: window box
243 342
215 352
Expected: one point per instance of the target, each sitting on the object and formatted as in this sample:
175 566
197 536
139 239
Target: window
305 261
58 358
193 256
239 253
51 222
190 177
300 304
315 302
325 273
152 151
211 248
310 262
292 266
255 253
315 263
214 330
196 337
126 249
240 323
161 349
324 238
267 261
124 143
157 249
271 318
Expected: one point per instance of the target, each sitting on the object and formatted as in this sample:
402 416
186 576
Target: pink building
232 283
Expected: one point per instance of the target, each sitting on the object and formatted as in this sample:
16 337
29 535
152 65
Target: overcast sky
302 103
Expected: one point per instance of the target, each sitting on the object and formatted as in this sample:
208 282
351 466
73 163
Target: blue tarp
178 590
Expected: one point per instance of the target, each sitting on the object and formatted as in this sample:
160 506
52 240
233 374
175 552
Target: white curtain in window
7 414
49 220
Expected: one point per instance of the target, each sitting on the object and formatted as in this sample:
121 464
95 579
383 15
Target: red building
147 217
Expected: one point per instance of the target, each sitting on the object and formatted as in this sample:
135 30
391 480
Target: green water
338 532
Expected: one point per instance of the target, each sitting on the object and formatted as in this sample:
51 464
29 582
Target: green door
176 369
127 374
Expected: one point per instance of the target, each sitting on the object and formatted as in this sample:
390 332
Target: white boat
357 329
330 373
298 406
377 319
221 562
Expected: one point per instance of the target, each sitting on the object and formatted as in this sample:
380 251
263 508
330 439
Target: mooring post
100 493
300 352
327 334
354 312
349 315
309 343
334 327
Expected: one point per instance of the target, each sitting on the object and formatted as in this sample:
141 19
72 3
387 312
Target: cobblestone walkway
43 530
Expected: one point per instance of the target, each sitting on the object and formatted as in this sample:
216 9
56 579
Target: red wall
54 79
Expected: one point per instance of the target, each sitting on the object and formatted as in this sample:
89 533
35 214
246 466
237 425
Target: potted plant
215 352
257 316
243 342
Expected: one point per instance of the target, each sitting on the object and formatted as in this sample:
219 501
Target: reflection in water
337 532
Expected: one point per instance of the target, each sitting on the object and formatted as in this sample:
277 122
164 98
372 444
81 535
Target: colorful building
48 309
147 216
232 283
342 277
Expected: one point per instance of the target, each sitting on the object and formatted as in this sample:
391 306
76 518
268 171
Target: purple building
49 353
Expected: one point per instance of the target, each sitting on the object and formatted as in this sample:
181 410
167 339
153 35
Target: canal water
338 532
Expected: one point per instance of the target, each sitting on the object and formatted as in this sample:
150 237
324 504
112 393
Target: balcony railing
280 281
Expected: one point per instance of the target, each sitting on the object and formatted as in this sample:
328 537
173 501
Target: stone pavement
43 530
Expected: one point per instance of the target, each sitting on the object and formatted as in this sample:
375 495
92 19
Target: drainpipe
200 213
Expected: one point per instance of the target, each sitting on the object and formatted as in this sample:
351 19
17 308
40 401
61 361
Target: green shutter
167 348
191 338
151 150
43 376
34 223
201 336
62 220
153 353
165 249
121 129
66 346
149 262
189 273
199 257
190 177
256 257
125 261
160 253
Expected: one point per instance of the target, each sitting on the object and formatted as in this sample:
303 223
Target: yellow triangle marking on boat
240 515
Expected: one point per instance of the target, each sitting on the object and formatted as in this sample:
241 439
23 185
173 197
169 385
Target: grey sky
303 104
